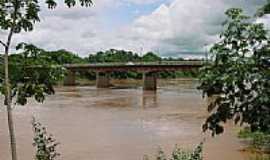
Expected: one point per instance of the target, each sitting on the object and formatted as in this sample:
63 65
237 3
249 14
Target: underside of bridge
70 78
103 80
150 81
149 71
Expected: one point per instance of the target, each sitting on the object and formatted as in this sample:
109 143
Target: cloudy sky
168 27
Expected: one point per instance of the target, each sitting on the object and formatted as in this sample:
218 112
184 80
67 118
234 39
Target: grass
258 141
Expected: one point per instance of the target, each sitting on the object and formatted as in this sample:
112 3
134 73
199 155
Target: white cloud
176 29
186 25
265 20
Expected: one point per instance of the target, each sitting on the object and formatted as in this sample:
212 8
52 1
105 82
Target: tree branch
3 43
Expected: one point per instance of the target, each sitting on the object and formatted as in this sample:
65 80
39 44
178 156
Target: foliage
45 143
58 57
61 57
180 154
21 15
151 57
114 55
258 139
31 75
238 77
121 56
17 16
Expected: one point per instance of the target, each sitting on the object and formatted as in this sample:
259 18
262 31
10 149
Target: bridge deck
138 66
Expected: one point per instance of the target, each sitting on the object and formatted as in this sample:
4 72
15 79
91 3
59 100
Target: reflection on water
149 99
119 124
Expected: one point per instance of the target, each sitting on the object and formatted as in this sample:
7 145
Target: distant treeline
61 57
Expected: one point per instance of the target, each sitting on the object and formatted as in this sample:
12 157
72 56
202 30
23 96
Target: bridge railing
195 63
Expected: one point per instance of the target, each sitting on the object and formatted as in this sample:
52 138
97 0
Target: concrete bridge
149 70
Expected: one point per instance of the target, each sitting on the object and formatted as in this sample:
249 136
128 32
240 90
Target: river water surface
119 124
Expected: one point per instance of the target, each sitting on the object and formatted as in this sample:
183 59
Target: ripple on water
119 124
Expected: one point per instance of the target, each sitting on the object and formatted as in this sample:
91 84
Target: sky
176 28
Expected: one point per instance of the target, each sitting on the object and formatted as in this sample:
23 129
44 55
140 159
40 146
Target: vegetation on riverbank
180 154
61 57
257 141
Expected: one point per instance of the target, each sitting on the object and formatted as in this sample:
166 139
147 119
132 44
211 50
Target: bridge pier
69 79
150 81
103 80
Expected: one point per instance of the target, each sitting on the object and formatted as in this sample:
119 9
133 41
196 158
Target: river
120 124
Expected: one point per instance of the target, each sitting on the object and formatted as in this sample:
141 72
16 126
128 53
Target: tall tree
17 16
238 77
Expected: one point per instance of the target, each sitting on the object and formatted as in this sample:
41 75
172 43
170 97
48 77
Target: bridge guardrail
195 63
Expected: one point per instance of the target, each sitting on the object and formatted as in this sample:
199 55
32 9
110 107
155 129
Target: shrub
180 154
45 143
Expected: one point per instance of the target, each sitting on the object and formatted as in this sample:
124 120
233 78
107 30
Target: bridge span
149 70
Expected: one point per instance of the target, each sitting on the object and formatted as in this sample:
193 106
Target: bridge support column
103 80
69 79
150 81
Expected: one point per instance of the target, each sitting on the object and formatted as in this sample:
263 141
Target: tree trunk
9 108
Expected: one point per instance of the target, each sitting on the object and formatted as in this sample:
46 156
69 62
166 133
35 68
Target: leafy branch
237 81
45 143
17 16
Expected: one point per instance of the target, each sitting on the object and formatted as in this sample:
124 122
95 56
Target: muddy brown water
120 124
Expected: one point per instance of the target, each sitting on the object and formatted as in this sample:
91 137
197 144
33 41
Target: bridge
149 70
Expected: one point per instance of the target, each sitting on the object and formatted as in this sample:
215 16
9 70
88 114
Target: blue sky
125 14
178 28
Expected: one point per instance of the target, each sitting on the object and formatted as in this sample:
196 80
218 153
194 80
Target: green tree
123 56
17 16
31 75
114 55
151 57
238 78
60 57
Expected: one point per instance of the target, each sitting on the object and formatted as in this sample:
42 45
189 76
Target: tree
61 57
17 16
114 55
238 77
151 57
